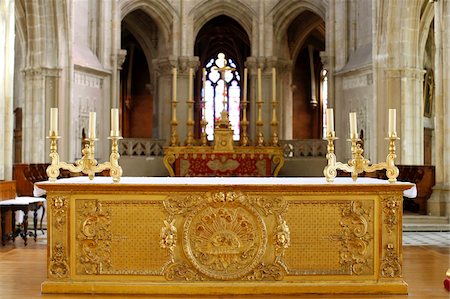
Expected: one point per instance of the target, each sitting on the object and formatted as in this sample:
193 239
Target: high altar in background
223 157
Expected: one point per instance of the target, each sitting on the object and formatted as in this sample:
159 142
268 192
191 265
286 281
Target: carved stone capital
186 62
164 66
121 55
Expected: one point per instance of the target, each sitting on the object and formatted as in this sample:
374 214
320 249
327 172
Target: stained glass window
220 84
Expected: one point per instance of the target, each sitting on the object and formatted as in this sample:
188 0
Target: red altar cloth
223 164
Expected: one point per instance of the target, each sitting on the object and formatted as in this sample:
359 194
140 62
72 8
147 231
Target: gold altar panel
225 239
320 227
119 237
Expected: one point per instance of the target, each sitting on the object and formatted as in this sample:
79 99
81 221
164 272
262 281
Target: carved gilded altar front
201 238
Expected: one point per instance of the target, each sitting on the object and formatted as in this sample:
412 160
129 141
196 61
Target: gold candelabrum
358 163
87 164
274 125
259 125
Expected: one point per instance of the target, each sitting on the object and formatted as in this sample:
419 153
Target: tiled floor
440 239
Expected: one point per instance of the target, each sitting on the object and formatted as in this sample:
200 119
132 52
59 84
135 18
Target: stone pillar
265 64
284 83
411 132
163 94
184 63
439 203
252 67
34 116
7 23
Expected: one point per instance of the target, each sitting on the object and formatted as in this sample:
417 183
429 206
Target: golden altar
224 236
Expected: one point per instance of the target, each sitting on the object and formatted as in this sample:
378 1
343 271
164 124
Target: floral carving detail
168 237
391 206
58 268
282 239
94 238
225 236
269 205
354 238
59 206
391 264
264 272
177 205
182 271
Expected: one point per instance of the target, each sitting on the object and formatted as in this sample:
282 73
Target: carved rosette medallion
391 207
59 205
58 266
354 238
94 238
224 237
391 264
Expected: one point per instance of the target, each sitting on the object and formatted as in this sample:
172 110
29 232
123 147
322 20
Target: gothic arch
424 27
209 9
160 11
21 30
142 36
287 10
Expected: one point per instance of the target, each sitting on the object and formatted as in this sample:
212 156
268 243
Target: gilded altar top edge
260 183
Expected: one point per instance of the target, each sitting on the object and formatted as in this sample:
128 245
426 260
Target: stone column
34 116
163 94
411 132
184 63
7 23
439 203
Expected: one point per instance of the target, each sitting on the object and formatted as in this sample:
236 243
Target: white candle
114 122
392 124
53 121
330 121
190 95
274 84
91 133
174 84
353 127
259 85
245 84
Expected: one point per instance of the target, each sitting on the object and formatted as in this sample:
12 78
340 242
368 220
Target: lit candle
114 122
174 84
245 84
91 133
353 127
330 121
190 95
53 121
274 84
259 85
392 124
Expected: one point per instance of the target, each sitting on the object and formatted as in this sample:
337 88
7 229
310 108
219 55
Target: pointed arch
209 9
285 11
160 11
424 28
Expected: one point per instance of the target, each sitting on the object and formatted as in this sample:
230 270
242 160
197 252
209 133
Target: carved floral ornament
354 238
94 238
224 236
59 205
391 263
58 266
391 207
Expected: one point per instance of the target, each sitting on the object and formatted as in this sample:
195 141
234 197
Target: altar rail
154 147
141 147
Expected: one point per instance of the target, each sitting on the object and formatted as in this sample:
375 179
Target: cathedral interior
238 88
